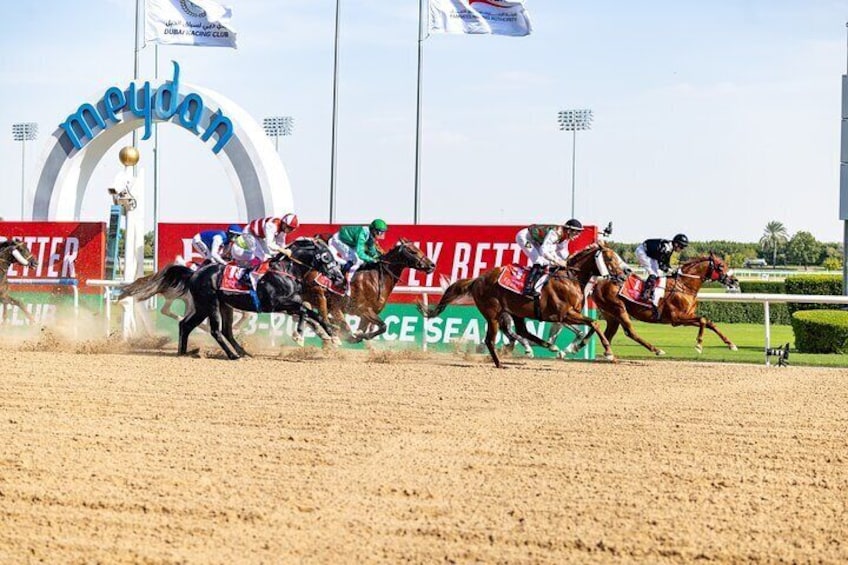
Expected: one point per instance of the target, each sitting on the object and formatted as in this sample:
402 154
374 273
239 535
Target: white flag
188 22
498 17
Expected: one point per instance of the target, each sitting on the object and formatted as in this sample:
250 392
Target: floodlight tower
574 121
278 126
23 132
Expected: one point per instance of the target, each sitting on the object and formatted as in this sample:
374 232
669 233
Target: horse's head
710 268
718 271
314 254
21 253
407 254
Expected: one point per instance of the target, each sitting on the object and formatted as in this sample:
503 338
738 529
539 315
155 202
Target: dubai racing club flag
188 22
497 17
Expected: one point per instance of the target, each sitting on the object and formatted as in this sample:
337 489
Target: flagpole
135 61
416 215
335 119
156 172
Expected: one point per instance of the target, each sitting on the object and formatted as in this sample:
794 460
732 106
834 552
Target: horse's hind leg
491 334
621 315
11 300
521 328
215 330
506 323
704 323
188 324
227 329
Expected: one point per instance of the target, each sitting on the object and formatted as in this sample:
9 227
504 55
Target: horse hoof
560 355
529 354
298 340
733 347
659 352
336 341
571 349
609 357
699 349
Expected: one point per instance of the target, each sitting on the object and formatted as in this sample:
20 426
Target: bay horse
370 290
14 250
561 300
279 290
677 307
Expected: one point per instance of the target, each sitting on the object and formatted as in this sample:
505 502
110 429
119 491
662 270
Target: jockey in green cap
355 246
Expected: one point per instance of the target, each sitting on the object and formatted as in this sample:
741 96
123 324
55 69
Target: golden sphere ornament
129 156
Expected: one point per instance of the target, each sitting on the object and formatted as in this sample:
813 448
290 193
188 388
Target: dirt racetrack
357 457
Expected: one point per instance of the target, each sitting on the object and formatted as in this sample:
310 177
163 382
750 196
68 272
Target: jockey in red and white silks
269 234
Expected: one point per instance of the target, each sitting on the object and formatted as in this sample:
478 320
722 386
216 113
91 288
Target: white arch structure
257 176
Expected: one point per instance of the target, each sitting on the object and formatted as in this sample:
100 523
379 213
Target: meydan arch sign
256 174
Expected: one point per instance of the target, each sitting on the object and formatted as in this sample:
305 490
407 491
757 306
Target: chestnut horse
369 291
677 307
12 251
561 300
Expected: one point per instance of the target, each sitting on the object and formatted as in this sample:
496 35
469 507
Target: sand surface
294 456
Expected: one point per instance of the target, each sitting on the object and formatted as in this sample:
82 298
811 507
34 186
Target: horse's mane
7 243
696 260
591 248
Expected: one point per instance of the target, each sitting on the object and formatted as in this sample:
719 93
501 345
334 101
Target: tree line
775 246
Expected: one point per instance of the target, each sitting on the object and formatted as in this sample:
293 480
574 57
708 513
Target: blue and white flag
497 17
188 22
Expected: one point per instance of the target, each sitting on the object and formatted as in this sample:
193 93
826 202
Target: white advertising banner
497 17
188 22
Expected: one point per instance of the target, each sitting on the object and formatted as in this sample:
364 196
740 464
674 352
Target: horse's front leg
521 328
227 329
702 323
371 318
507 325
575 316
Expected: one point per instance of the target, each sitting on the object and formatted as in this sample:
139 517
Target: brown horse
369 291
14 250
677 307
561 300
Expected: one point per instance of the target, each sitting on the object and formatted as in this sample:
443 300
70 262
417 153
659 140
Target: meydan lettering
162 105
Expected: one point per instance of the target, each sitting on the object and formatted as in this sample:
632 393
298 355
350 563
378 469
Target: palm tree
774 236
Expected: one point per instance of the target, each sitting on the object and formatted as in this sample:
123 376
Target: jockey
545 245
214 245
355 246
655 256
270 234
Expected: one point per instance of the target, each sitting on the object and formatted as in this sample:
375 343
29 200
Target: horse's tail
173 278
454 292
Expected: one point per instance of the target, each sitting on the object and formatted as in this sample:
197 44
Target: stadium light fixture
574 121
278 126
23 132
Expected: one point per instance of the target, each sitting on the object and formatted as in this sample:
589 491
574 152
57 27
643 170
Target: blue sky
710 118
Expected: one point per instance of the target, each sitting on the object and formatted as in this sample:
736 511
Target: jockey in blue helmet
214 245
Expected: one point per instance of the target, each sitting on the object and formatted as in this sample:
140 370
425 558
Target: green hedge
743 313
812 284
821 331
762 287
748 313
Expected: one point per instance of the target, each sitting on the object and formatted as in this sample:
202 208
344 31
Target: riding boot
648 289
530 282
254 279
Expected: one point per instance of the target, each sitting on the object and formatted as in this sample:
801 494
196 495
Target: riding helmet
234 229
291 221
573 225
379 226
681 240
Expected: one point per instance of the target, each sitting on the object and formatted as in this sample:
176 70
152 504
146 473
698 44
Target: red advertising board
458 251
64 250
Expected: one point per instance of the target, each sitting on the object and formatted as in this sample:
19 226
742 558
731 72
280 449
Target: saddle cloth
323 281
234 281
632 290
512 278
231 279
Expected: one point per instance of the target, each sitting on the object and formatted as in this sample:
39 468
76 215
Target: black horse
14 250
279 290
